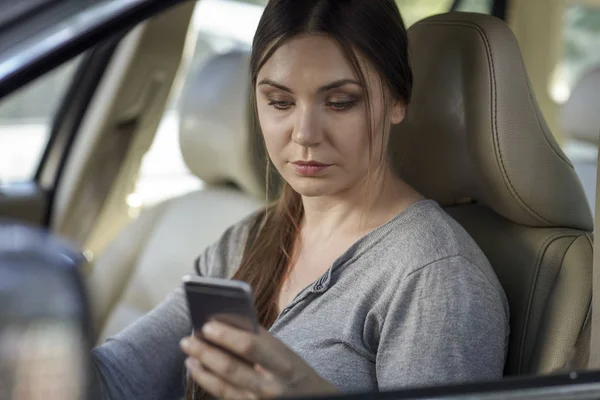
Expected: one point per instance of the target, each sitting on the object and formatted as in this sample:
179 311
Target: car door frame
96 42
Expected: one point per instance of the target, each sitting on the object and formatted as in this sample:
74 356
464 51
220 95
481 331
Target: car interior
483 137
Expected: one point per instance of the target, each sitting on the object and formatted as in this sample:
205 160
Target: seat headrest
474 132
580 116
218 140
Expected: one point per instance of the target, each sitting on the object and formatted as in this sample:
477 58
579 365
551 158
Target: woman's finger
262 349
214 385
234 371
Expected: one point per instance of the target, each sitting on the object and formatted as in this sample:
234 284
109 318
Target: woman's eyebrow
325 88
276 85
338 84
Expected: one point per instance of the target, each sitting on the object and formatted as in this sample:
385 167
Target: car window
219 26
580 54
475 6
26 120
580 48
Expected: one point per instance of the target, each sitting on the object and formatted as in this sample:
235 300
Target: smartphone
223 300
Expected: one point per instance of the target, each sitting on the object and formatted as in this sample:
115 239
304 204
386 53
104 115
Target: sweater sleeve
144 360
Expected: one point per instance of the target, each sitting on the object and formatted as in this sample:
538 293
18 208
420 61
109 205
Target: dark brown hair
375 30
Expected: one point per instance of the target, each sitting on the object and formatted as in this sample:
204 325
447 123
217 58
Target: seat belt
594 361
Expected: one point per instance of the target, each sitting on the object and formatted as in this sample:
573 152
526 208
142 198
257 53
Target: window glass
581 48
580 56
26 120
476 6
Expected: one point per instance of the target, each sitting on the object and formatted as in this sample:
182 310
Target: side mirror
45 331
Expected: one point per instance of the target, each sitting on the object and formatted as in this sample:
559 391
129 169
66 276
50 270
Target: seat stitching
562 157
561 266
588 315
505 175
543 249
589 236
589 306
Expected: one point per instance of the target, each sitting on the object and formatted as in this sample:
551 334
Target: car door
82 87
80 98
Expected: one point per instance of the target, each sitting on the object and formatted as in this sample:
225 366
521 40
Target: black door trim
28 64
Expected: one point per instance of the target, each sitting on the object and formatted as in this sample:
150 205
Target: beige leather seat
147 260
475 141
580 120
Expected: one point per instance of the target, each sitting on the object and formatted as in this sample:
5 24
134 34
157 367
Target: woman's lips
309 168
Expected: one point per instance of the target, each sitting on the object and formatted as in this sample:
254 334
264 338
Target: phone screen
232 306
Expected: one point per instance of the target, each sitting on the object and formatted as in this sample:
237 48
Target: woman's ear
398 112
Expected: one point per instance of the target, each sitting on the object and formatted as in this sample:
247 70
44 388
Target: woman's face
311 109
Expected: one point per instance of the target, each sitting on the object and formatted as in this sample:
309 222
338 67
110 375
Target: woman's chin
312 188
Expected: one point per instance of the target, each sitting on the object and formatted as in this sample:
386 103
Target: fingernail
210 330
185 343
192 363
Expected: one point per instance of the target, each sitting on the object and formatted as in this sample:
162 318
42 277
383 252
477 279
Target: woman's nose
307 130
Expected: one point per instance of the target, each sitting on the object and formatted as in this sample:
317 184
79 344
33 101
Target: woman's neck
359 209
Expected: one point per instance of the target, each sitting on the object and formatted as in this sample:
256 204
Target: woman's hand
271 370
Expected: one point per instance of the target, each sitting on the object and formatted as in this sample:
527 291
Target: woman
359 282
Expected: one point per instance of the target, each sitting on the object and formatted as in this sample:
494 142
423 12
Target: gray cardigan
415 302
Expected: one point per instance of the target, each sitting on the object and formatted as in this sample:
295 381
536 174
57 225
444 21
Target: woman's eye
341 105
281 105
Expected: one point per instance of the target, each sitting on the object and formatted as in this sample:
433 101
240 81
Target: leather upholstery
218 142
580 116
475 141
147 260
474 129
